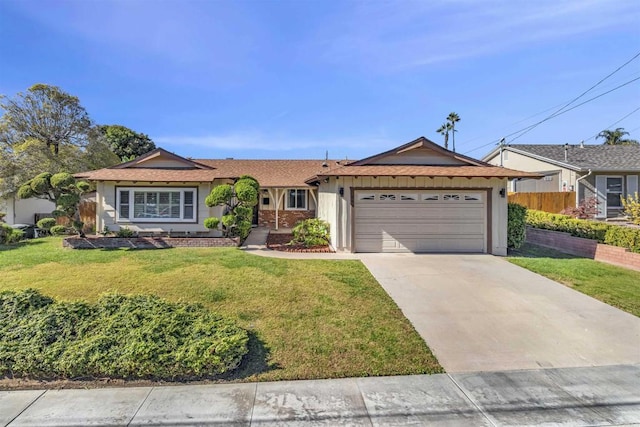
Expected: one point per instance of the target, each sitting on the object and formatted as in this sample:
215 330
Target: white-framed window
296 199
155 204
614 191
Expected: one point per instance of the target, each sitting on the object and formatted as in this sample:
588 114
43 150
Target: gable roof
416 144
580 158
463 166
160 154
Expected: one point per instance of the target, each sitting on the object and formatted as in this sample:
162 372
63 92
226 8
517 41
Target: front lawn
616 286
306 318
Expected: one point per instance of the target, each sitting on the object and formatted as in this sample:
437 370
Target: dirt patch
280 242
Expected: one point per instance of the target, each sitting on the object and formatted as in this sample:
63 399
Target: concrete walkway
603 396
482 313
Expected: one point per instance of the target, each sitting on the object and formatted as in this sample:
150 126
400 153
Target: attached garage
420 220
418 197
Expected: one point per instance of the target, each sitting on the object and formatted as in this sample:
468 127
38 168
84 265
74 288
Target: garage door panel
420 221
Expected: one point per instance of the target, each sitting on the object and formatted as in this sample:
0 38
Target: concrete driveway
482 313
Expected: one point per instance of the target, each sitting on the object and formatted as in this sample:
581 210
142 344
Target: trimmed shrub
311 232
610 234
58 230
624 237
46 224
212 223
631 205
9 234
119 336
516 225
125 232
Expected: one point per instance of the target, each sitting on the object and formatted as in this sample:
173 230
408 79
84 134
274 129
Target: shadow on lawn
533 251
20 244
256 361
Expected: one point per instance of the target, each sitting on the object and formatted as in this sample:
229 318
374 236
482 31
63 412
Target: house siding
106 209
339 214
23 211
524 163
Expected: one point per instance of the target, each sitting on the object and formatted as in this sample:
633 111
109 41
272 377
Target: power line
579 96
613 124
552 117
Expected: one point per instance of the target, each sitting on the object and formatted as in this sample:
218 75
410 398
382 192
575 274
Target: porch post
277 207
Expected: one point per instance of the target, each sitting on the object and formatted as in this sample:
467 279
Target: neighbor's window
614 192
156 205
297 199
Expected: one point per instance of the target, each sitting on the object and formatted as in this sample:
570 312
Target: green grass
616 286
306 318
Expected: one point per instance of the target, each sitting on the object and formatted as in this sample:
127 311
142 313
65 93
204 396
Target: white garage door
420 221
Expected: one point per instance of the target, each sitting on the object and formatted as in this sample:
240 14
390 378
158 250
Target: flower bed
98 242
279 242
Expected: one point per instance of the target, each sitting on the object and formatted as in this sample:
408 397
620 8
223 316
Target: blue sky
292 79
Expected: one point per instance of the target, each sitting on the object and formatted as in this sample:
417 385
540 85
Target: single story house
607 172
418 197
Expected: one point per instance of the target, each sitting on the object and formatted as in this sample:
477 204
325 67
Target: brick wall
588 248
286 219
147 242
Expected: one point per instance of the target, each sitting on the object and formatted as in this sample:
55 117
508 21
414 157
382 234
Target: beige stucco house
607 172
24 211
418 197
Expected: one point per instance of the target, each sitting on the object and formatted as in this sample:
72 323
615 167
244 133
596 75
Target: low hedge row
119 337
616 235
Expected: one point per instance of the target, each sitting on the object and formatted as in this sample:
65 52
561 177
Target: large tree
124 142
47 114
46 130
616 137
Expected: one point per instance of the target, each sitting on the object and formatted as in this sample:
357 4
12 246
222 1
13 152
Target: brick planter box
148 242
587 248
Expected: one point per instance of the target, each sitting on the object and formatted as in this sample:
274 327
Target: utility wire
554 116
612 124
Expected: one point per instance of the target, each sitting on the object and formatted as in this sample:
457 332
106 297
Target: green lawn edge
306 319
613 285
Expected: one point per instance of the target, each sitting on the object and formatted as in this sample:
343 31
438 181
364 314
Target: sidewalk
601 396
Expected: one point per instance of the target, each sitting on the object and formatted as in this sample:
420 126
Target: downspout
277 207
577 187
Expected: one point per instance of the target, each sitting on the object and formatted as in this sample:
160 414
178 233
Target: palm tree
616 137
444 130
453 118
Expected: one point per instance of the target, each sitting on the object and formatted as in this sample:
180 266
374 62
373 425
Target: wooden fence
549 202
87 210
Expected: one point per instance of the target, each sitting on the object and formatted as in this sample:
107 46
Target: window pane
614 184
124 204
124 211
301 199
292 198
175 211
613 200
188 197
164 198
188 212
138 197
152 198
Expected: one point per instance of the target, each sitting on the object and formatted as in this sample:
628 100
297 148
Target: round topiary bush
58 230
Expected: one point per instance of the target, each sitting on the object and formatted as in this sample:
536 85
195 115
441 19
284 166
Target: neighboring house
418 197
608 172
25 211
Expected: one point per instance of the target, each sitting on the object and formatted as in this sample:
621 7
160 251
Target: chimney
582 144
566 152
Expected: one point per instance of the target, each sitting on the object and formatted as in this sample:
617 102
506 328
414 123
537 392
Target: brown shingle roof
270 173
430 171
151 174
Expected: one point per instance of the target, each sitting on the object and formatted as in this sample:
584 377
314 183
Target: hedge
120 336
516 230
610 234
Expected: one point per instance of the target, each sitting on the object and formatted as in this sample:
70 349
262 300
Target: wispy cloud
391 36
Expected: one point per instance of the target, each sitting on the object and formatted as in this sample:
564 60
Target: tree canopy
124 142
238 201
48 130
616 137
